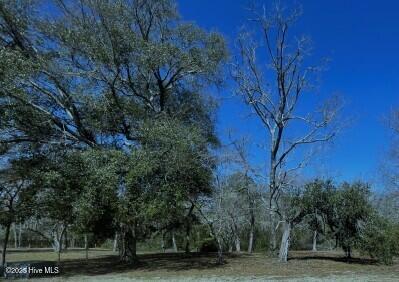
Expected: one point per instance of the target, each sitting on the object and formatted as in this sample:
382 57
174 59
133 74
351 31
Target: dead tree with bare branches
273 79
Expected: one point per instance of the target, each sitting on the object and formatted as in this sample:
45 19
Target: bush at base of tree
209 246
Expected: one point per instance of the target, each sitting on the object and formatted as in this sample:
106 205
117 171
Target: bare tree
388 202
275 88
249 188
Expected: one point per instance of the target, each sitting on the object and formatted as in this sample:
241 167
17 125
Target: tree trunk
129 250
73 241
187 245
188 229
238 244
314 249
273 233
6 236
20 236
285 242
252 226
174 242
86 247
220 259
15 236
251 240
66 246
115 246
58 242
348 252
163 242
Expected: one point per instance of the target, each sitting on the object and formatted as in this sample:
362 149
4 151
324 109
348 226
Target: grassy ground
302 266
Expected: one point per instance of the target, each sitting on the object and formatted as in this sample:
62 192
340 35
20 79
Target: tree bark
58 242
187 245
220 259
285 242
66 245
252 226
174 242
273 232
86 247
163 242
115 246
314 249
348 252
73 241
129 250
251 240
238 244
15 236
6 236
20 236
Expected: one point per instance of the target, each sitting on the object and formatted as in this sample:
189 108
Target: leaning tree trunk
6 236
314 249
285 242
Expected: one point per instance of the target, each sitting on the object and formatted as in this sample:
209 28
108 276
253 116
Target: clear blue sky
362 40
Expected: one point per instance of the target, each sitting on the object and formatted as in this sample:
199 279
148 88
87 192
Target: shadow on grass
361 261
147 262
175 262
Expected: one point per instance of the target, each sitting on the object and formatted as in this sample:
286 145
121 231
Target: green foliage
96 207
79 189
346 211
352 212
379 239
172 168
110 95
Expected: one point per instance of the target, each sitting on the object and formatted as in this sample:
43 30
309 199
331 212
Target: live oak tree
98 72
353 210
166 177
273 79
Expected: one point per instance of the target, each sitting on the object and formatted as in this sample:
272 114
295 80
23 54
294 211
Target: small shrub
208 246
